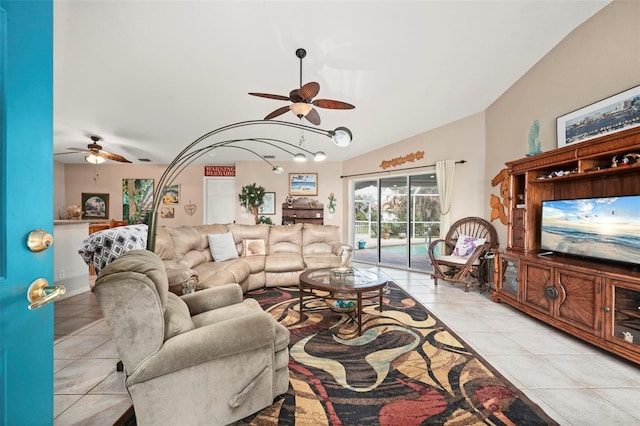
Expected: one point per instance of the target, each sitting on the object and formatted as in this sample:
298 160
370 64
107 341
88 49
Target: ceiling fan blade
277 112
313 117
270 96
114 157
76 150
63 153
331 104
309 90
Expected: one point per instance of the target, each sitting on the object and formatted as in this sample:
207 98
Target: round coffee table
352 284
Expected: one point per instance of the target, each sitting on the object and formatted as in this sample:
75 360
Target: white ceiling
149 77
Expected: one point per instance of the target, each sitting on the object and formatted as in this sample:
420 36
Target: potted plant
265 220
386 232
251 197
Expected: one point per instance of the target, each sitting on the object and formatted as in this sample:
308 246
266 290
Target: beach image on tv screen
606 228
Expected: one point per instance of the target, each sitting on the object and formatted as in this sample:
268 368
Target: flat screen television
605 228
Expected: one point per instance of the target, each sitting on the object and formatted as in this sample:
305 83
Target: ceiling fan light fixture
301 109
300 157
94 158
278 170
341 136
319 156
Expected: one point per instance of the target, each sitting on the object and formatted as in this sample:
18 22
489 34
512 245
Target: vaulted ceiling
149 77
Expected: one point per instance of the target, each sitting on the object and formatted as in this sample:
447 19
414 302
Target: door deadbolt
39 240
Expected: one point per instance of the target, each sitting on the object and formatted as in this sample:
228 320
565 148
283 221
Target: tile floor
575 383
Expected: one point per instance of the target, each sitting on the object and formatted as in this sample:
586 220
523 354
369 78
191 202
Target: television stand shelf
597 301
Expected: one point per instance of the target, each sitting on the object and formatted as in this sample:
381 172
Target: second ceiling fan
302 99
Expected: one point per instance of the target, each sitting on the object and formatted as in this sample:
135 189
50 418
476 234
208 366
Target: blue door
26 204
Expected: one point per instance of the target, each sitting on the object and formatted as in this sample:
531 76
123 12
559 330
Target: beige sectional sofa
265 255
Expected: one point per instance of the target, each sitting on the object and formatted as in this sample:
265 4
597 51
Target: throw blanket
103 247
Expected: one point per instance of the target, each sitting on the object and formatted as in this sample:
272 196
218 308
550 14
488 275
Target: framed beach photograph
303 184
171 194
95 206
268 205
611 115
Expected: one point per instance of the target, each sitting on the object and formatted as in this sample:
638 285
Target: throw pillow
466 245
222 247
254 247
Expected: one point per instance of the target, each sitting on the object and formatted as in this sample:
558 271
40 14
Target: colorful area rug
407 368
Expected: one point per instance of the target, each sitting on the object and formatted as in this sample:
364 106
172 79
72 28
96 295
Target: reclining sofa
253 256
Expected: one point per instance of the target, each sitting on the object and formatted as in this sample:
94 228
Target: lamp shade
342 136
301 109
94 159
299 157
319 156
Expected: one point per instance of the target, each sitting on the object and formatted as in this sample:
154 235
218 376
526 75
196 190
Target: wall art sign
611 115
95 206
303 184
219 170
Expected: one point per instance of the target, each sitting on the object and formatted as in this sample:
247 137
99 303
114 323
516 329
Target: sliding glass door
394 220
424 213
365 227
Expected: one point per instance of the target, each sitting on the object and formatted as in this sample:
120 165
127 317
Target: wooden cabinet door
507 278
536 279
579 302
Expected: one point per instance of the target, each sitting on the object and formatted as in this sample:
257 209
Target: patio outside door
26 203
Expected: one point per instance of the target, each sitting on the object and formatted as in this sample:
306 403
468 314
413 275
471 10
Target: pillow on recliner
222 247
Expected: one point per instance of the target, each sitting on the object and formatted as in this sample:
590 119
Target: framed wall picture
611 115
171 194
303 184
268 205
137 199
95 206
167 212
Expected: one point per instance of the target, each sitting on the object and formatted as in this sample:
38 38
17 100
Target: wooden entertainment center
595 300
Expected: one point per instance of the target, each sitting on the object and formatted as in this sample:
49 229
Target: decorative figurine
534 142
332 203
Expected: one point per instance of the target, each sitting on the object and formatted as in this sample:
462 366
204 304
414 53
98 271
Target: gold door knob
39 240
40 293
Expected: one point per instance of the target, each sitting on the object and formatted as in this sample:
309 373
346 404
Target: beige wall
74 179
460 140
598 59
328 181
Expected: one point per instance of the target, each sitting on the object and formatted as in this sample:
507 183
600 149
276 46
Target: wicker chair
460 256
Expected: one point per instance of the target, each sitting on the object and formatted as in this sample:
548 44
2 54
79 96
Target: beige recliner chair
208 357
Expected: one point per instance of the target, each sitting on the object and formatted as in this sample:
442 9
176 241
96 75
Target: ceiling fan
94 153
302 99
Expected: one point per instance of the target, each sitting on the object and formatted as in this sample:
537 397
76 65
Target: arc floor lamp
341 137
